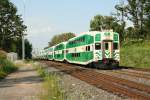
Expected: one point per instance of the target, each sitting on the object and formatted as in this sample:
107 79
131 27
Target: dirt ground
25 84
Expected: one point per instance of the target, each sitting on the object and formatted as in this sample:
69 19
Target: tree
119 15
99 23
96 24
61 38
12 29
135 14
130 33
28 48
137 11
11 24
147 19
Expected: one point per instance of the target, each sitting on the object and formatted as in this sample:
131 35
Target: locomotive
94 48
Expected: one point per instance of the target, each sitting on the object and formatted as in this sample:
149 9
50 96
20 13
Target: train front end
107 49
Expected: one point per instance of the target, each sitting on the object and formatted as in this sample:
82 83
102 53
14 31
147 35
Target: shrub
6 67
3 54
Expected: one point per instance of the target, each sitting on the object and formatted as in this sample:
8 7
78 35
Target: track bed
116 85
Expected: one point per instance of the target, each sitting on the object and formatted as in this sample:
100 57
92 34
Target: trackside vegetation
135 54
6 66
51 86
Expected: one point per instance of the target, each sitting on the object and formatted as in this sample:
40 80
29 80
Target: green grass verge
51 87
135 54
6 67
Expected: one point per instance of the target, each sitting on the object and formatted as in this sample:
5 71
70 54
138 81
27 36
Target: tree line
12 29
137 12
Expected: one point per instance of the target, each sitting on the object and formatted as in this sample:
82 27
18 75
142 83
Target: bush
6 67
3 54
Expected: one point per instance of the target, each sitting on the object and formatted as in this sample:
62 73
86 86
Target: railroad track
133 74
110 83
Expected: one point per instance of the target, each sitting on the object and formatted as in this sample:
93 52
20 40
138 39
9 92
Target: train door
97 51
107 49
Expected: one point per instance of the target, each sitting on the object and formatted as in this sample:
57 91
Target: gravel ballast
124 76
76 89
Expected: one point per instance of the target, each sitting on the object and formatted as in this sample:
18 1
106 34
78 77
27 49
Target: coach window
66 51
97 46
88 48
115 46
72 54
79 54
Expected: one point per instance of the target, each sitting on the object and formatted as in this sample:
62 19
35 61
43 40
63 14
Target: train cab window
106 46
115 46
97 46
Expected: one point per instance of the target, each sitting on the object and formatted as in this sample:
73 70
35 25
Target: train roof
83 33
91 33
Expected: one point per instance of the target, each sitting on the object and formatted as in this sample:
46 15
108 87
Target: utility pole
23 48
23 40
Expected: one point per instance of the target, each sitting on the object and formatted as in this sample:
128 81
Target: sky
46 18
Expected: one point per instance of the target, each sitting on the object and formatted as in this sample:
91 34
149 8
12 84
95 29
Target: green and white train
97 49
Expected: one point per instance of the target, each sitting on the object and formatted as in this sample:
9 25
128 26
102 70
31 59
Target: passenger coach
94 48
97 49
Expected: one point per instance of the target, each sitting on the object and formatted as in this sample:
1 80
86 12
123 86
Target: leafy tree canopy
61 38
12 29
138 12
99 23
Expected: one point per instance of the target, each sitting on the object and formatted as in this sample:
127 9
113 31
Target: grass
135 54
51 87
6 67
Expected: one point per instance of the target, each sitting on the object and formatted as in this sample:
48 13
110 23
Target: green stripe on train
59 56
84 56
50 56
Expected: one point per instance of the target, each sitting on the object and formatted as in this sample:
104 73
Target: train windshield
97 46
115 46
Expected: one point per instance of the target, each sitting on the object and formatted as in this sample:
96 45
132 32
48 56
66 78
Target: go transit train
94 48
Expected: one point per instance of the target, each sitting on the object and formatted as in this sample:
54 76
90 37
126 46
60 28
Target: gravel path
76 89
22 85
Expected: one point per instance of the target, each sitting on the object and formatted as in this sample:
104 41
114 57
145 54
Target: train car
50 54
94 48
79 49
46 54
59 51
40 56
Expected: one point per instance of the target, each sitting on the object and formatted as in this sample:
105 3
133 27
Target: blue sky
46 18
